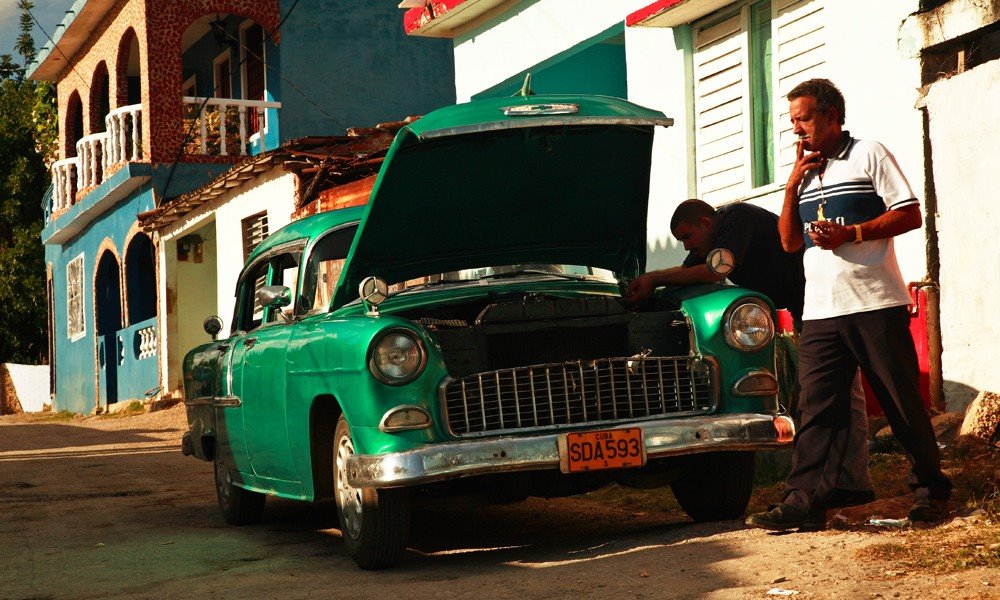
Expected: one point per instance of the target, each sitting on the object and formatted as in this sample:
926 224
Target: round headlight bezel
373 354
738 312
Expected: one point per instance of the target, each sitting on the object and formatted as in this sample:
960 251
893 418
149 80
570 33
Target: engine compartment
524 329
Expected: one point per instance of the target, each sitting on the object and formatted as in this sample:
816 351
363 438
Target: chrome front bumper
467 458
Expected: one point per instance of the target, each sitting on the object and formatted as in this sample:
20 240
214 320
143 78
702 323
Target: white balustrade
124 129
220 107
90 151
147 342
63 184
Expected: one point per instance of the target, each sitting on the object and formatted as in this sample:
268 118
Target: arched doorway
140 279
129 82
100 98
108 309
74 124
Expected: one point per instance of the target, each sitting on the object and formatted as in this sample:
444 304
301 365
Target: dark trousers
830 351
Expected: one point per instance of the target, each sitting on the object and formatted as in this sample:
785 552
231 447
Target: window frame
307 259
227 57
246 290
760 135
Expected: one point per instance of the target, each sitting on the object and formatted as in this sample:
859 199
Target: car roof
307 228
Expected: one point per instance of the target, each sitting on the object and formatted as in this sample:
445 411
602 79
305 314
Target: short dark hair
690 211
826 94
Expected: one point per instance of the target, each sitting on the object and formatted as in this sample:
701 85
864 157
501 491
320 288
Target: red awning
671 13
443 18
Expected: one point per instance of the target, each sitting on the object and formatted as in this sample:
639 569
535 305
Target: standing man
844 202
751 234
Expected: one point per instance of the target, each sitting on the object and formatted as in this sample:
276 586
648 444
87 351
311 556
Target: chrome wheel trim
348 497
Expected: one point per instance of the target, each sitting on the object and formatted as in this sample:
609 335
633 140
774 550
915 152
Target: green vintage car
464 334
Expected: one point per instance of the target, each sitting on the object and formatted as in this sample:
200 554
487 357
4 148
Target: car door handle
249 342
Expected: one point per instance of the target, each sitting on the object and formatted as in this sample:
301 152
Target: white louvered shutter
721 126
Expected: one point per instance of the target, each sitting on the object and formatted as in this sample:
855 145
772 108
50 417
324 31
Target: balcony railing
63 183
96 153
220 128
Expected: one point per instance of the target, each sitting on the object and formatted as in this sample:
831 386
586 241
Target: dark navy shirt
762 265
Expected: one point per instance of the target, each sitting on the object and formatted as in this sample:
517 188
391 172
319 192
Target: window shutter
720 110
254 232
801 55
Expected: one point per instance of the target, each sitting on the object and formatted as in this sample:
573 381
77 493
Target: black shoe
928 510
784 517
843 498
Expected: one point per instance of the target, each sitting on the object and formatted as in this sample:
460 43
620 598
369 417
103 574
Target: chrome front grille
577 392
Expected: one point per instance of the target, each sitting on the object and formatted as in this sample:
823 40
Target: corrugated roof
321 162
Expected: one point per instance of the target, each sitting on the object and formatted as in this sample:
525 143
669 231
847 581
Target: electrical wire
57 49
248 53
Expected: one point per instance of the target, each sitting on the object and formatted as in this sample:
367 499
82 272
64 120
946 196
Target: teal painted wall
354 61
76 362
598 69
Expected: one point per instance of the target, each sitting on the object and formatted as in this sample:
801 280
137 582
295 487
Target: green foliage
25 45
23 181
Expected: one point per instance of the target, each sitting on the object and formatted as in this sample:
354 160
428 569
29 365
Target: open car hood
539 179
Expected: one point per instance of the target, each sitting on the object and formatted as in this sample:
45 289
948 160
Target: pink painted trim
415 18
653 10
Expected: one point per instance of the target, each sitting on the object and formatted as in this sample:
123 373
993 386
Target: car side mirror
212 326
274 296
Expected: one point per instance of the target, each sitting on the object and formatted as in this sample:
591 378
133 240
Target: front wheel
375 522
715 486
239 506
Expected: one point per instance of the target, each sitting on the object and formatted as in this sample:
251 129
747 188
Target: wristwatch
857 234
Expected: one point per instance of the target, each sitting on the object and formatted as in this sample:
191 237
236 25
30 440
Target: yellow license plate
596 450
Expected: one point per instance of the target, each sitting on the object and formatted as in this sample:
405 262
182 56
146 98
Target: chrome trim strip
227 401
467 458
200 401
547 121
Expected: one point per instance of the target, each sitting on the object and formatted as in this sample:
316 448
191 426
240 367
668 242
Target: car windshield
574 272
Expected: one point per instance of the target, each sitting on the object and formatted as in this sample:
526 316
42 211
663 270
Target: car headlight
748 325
397 357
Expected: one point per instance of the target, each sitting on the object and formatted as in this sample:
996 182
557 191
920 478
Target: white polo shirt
859 184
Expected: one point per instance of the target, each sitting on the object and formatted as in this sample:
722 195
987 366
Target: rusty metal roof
321 162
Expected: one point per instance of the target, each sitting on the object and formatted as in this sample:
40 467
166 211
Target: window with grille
254 232
75 323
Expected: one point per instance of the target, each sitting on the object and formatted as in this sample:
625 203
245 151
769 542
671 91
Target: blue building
157 100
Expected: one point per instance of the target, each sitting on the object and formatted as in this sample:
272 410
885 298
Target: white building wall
490 54
273 192
658 78
962 111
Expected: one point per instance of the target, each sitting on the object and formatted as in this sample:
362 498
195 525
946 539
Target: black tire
715 486
375 522
239 506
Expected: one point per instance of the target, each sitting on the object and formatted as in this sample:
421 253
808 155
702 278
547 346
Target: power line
222 116
57 49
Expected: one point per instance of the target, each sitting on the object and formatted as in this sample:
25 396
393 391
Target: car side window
281 269
284 271
251 313
322 272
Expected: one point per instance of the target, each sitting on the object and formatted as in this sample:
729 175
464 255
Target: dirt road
109 508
